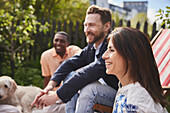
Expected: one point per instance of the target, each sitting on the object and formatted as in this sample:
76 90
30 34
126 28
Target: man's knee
91 86
89 91
95 90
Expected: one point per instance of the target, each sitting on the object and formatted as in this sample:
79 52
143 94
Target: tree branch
4 53
23 44
5 47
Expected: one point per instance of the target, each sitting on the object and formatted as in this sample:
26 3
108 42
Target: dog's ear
13 86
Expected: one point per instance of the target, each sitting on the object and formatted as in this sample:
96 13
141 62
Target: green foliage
5 68
116 18
17 25
26 76
61 10
141 18
33 64
29 73
168 107
164 16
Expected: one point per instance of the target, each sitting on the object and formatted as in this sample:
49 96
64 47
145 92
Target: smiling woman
115 63
129 56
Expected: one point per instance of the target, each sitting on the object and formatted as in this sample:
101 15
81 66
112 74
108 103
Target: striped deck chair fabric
161 48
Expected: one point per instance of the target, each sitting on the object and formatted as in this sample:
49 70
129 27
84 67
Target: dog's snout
0 96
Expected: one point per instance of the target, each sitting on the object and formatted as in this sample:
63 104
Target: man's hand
48 99
48 88
42 92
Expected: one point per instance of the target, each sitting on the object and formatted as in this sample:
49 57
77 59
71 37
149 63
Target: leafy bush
164 16
26 76
168 107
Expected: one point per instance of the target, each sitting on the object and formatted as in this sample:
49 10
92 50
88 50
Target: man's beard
96 38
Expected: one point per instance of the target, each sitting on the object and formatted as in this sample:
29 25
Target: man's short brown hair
104 13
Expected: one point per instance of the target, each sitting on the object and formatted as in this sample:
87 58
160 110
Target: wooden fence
44 41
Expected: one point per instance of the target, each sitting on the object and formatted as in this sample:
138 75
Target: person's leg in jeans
71 105
95 93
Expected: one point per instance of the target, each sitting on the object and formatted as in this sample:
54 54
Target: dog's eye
5 86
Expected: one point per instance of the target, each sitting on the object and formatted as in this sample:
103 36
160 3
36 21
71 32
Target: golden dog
19 96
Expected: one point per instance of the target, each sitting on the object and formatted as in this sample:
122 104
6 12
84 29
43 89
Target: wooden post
153 30
146 28
76 33
70 32
59 26
138 25
112 25
53 31
128 23
65 26
120 23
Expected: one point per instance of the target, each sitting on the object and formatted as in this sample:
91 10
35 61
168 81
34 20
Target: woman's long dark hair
134 46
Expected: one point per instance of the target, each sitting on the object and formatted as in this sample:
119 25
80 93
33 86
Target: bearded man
91 81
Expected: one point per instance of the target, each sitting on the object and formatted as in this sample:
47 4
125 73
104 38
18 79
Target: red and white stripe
161 49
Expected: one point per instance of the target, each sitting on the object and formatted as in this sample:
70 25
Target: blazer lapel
103 47
92 51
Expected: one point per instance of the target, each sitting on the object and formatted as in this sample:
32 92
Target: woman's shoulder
137 89
140 97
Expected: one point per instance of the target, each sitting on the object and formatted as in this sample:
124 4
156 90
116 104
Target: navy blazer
90 71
